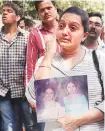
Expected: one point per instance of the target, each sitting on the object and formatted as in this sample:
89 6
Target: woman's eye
73 28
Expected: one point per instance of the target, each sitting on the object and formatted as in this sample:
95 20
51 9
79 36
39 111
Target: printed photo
56 97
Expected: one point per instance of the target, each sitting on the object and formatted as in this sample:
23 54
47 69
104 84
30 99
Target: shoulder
23 34
35 30
35 34
99 53
101 57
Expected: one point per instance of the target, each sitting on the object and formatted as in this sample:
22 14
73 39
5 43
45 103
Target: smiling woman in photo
49 109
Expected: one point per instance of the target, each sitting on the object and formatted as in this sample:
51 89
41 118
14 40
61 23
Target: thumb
60 120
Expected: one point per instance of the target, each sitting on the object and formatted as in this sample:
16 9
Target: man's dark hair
15 7
28 22
83 14
38 2
97 14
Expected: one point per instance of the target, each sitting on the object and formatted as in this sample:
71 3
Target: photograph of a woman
75 102
49 109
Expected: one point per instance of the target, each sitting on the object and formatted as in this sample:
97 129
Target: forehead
8 7
95 19
70 84
45 4
22 22
49 90
71 17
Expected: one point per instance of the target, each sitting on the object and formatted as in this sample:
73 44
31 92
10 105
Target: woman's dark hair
38 2
52 88
83 14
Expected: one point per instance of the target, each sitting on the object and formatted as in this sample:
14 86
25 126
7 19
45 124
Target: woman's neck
72 58
72 96
66 54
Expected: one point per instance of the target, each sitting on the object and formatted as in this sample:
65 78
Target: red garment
35 49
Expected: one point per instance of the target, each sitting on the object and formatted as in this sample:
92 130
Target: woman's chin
64 45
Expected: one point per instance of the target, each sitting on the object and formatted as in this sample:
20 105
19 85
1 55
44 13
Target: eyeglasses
95 24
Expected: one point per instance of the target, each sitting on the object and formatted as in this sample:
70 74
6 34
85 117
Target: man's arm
30 57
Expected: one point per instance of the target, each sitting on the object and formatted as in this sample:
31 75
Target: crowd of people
58 47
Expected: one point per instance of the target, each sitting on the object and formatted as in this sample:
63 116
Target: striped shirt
85 67
36 48
12 65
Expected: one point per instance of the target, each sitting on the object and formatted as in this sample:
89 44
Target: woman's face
70 31
49 94
71 88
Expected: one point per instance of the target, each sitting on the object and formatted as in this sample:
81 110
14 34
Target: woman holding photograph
50 109
74 60
75 101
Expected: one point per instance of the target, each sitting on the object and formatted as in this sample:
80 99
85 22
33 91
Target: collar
19 32
42 27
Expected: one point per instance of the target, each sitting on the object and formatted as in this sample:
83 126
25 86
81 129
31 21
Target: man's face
22 24
95 27
9 16
47 12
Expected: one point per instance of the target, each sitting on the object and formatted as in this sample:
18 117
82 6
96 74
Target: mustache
92 30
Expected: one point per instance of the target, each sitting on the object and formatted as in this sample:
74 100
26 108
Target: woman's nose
66 30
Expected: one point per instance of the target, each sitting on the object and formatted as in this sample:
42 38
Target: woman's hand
69 122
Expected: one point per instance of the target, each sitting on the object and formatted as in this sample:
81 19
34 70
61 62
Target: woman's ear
85 36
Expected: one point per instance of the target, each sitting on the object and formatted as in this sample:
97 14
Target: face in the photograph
49 94
71 88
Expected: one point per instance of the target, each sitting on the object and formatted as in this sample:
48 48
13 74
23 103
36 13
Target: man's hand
33 106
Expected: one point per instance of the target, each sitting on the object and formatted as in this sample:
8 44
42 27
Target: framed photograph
57 97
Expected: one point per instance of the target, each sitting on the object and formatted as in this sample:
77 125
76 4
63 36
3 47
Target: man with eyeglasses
95 29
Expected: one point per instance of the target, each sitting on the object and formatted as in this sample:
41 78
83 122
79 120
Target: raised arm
44 69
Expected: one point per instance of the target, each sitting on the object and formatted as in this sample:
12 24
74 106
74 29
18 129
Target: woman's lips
65 40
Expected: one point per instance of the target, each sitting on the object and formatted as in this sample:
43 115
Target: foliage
88 5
